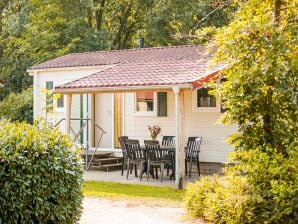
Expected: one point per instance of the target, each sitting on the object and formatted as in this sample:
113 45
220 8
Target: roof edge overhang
201 82
120 89
37 70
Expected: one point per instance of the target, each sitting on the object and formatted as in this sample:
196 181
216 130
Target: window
60 101
205 102
204 99
223 109
49 96
145 101
151 104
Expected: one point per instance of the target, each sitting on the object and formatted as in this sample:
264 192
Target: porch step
107 159
111 165
107 162
101 154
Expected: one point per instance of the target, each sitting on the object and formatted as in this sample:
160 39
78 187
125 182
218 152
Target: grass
110 189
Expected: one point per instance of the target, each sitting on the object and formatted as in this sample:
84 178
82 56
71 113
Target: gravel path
112 211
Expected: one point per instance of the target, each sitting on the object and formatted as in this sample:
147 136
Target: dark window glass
60 101
204 99
162 104
49 95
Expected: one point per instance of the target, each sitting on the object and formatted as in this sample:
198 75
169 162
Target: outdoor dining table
169 149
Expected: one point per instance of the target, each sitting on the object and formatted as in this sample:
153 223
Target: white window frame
56 108
195 108
146 113
60 109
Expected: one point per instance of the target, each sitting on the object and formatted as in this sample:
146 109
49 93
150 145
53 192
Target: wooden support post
92 116
68 112
180 140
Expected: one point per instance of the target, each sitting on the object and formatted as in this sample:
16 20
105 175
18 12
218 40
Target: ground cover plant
110 189
40 177
260 95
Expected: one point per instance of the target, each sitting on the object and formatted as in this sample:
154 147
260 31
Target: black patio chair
192 153
168 141
155 158
135 156
122 140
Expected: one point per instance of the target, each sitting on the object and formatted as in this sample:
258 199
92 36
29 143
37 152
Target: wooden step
97 153
111 165
108 159
107 166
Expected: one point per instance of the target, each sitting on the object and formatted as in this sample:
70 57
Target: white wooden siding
196 123
213 148
58 77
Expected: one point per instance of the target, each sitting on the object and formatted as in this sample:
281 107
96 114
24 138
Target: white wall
196 123
58 76
213 148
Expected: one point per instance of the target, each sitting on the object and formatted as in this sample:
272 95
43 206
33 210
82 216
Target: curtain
118 118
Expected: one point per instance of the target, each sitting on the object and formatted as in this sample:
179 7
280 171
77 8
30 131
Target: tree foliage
260 94
174 22
18 106
33 31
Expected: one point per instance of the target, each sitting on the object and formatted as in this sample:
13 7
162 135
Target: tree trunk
122 26
277 7
99 15
3 4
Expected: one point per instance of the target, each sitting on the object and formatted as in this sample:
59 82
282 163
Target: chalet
124 91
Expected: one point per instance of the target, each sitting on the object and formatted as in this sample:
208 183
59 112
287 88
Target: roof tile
181 65
118 56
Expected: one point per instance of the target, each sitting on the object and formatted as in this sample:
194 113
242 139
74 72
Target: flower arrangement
154 131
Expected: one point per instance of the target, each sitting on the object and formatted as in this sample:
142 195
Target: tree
260 47
172 22
33 31
13 18
18 106
260 95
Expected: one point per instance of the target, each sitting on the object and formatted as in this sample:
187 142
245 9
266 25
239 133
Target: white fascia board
36 71
121 89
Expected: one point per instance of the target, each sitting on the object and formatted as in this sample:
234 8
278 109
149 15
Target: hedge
40 177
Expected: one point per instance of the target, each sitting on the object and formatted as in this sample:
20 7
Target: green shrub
219 200
40 177
265 192
18 106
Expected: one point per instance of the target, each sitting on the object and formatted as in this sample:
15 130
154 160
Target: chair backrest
193 146
153 150
122 140
133 149
168 141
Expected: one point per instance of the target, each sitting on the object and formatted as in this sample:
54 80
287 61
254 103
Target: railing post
68 112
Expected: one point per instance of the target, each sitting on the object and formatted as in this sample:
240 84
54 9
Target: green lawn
110 189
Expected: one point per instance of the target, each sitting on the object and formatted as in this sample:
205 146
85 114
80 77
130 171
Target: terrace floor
115 176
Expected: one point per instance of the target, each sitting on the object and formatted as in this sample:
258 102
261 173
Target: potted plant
154 131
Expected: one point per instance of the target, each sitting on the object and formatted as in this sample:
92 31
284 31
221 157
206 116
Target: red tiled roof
120 56
167 66
145 73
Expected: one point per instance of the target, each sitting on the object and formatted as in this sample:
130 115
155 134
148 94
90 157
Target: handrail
76 136
81 119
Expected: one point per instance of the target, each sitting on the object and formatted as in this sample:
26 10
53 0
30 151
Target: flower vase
153 138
